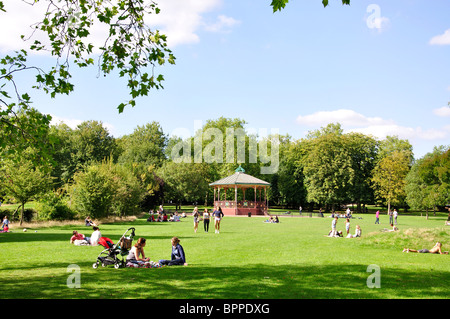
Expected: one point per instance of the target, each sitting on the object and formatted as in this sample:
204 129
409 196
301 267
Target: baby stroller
114 254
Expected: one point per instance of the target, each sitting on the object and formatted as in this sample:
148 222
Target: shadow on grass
65 237
247 282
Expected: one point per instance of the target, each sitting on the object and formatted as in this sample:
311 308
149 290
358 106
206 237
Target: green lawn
248 259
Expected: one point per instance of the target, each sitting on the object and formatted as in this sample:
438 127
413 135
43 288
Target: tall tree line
93 173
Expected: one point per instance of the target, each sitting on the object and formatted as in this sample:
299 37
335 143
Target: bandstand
241 181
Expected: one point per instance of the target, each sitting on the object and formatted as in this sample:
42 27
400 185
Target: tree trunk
389 207
21 214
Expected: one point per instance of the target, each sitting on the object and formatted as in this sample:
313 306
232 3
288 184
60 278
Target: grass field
248 259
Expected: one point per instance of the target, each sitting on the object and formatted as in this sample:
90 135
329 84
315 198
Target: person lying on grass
79 239
394 228
178 257
435 250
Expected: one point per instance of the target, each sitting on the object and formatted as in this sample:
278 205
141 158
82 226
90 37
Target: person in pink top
377 216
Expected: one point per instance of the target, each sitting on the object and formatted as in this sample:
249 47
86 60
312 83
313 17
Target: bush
28 214
53 206
106 189
8 213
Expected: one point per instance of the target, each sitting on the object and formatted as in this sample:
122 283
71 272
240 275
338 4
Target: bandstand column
235 199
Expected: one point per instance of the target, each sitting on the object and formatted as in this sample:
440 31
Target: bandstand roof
240 178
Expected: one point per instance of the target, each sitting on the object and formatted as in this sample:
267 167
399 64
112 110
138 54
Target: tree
393 143
105 189
77 148
328 167
416 188
92 142
184 181
277 5
145 146
389 178
290 182
434 172
15 140
130 48
363 152
23 180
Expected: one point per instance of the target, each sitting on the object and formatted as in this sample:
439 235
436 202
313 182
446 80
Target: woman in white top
95 236
196 215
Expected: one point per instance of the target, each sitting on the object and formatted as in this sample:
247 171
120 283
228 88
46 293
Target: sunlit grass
248 259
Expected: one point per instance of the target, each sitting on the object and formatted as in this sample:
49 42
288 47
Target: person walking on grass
395 214
218 215
391 221
206 220
333 227
196 218
377 217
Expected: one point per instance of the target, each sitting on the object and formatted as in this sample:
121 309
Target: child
5 224
347 226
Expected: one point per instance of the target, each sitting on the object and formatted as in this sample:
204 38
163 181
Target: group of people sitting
272 220
79 239
347 214
136 257
161 216
335 233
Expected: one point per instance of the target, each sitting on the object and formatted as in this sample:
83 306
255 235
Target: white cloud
180 20
443 111
378 127
223 24
73 123
410 133
344 116
16 22
443 39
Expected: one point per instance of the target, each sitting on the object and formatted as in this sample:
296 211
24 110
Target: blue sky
377 67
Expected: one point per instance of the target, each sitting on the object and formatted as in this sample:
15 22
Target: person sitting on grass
79 239
95 237
88 222
269 220
334 234
178 257
136 256
435 250
357 232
